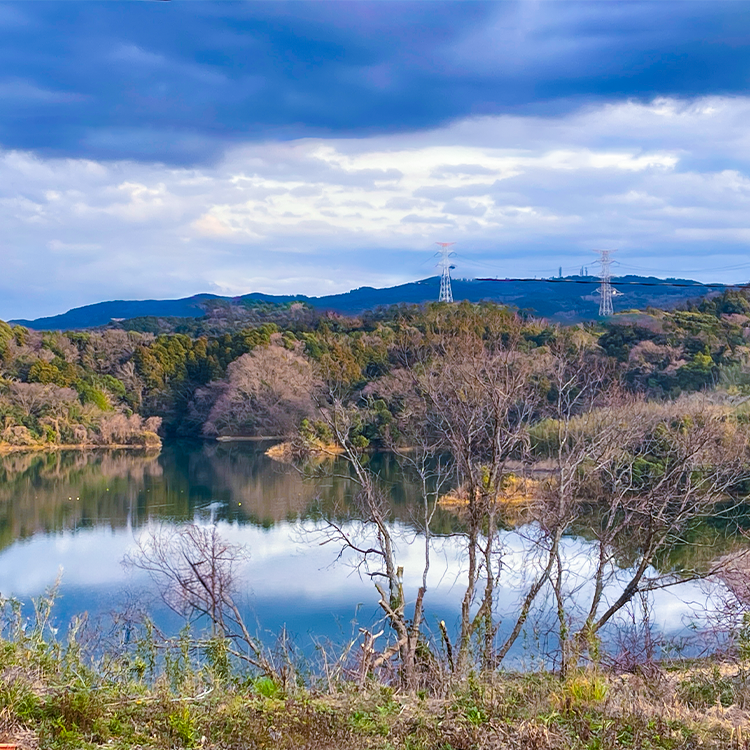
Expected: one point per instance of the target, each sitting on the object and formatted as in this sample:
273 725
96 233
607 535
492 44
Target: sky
162 149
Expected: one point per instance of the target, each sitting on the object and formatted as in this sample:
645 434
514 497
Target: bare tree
266 392
479 389
574 434
684 466
194 569
374 542
38 398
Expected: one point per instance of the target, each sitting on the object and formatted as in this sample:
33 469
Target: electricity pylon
605 286
446 293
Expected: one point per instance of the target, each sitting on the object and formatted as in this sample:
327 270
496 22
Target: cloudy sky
161 149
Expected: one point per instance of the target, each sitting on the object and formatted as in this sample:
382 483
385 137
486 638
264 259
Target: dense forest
257 375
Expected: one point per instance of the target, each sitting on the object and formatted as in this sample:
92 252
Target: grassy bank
186 694
521 711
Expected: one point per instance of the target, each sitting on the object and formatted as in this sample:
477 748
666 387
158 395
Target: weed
585 689
182 724
267 688
475 715
709 688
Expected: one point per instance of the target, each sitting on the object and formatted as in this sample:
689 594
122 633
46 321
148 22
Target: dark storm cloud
179 81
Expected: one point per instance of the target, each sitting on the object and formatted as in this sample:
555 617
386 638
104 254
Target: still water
76 515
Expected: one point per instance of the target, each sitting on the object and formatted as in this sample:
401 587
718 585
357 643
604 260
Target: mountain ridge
574 301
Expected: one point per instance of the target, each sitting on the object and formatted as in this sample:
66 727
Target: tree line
79 386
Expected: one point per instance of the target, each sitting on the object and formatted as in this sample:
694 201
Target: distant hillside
569 300
102 313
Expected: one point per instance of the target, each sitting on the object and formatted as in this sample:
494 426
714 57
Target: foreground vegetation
92 690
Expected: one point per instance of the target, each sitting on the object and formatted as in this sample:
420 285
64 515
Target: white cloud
668 178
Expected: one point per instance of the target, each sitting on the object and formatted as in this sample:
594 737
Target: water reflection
51 492
82 512
68 490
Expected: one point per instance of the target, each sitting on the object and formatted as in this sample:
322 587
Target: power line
467 261
686 270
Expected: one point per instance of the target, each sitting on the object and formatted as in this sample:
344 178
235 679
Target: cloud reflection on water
285 575
289 579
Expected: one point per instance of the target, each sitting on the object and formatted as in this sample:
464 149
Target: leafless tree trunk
577 379
379 560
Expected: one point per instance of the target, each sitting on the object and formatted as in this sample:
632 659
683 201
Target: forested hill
567 300
114 386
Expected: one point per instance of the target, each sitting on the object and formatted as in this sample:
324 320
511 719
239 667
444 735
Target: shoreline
51 447
247 438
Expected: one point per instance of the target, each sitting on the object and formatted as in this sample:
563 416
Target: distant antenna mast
605 286
446 293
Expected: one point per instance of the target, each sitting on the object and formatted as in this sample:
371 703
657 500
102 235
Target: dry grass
590 710
288 451
514 500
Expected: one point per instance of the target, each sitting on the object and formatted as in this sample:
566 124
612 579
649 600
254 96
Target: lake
77 514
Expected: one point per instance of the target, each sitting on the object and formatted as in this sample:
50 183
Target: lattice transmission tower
605 283
446 293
